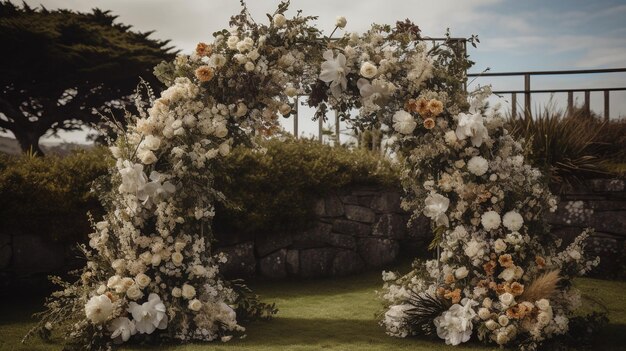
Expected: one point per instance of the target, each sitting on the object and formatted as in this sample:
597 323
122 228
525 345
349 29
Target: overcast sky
515 35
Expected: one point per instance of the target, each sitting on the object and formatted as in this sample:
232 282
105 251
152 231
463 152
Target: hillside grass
330 314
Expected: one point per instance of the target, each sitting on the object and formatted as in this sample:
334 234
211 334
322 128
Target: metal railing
570 92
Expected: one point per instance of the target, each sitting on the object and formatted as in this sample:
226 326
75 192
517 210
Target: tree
58 68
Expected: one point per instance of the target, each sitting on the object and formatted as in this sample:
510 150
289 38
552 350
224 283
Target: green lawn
325 314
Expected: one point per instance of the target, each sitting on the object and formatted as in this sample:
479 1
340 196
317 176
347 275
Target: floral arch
150 273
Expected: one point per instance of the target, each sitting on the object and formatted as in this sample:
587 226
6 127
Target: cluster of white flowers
484 199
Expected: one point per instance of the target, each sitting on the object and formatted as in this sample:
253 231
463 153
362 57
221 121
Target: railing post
295 117
321 129
587 104
338 142
527 93
570 102
607 105
514 105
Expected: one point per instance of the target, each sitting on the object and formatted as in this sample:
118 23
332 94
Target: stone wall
357 229
598 204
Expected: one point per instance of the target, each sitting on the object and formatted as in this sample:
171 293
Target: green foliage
56 66
570 147
50 196
274 189
267 190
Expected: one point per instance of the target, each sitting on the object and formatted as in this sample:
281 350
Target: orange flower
454 295
203 49
441 291
517 289
449 279
422 108
435 107
204 73
518 311
540 261
429 123
410 105
489 267
501 288
505 260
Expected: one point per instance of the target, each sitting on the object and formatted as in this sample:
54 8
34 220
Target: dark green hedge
269 190
274 189
50 195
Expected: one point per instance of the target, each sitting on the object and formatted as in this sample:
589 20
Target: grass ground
324 314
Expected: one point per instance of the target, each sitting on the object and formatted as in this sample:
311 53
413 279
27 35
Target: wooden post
514 105
338 142
607 104
587 103
570 102
295 118
321 129
527 107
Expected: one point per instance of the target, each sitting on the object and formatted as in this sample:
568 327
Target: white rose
484 313
291 91
491 324
543 304
151 142
147 157
507 299
450 137
477 165
507 274
188 291
224 149
195 305
177 258
249 66
513 221
198 270
98 309
232 42
284 109
490 220
499 246
503 320
403 122
134 292
487 302
142 280
502 338
368 70
176 292
279 20
519 272
575 255
544 318
179 245
461 272
156 260
341 22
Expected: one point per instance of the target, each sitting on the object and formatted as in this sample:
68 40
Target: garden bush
265 191
50 195
574 146
274 189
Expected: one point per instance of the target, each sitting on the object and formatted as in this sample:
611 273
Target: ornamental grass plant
570 147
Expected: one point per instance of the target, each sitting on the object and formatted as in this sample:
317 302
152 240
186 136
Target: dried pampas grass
542 287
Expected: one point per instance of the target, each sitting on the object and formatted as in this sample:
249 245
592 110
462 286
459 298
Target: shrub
50 196
267 190
572 147
274 189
